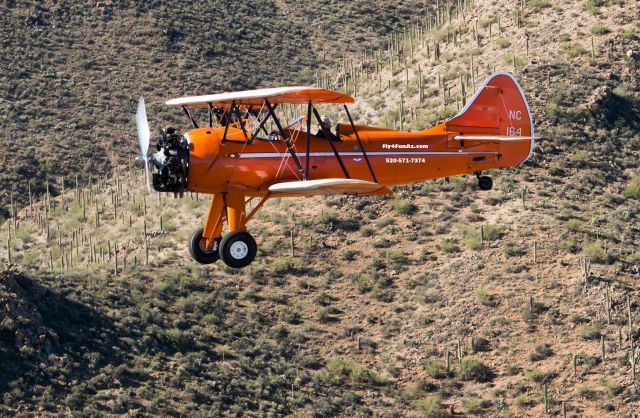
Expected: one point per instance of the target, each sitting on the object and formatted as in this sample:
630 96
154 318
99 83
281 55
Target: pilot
326 124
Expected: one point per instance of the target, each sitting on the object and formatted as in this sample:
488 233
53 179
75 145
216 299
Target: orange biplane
236 157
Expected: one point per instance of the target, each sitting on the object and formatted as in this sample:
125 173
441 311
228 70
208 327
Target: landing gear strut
484 182
238 248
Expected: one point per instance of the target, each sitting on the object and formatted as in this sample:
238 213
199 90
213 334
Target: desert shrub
591 361
479 344
503 43
436 368
633 188
349 255
573 225
541 352
425 319
473 369
188 304
589 332
368 232
518 60
515 268
553 111
392 229
580 157
339 372
535 376
484 22
593 6
471 237
629 34
396 255
474 405
523 400
513 249
585 392
349 224
416 389
404 207
290 316
513 371
282 265
569 244
538 5
382 243
449 246
613 387
323 315
327 217
492 232
595 252
573 50
324 299
250 293
485 298
362 282
431 407
428 295
599 29
577 319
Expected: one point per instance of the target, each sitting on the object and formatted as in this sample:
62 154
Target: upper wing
293 95
327 187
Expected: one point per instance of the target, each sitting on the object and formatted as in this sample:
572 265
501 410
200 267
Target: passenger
326 124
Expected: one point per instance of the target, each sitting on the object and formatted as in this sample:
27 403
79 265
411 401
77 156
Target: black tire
485 183
201 254
238 249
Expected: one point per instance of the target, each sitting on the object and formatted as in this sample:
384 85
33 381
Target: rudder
499 107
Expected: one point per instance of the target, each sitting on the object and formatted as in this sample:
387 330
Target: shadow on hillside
622 110
56 340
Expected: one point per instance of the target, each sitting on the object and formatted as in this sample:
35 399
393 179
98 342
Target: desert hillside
441 300
71 72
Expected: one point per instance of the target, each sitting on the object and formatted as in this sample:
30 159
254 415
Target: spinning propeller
171 159
143 138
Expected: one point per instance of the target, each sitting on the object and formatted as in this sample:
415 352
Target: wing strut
236 112
355 131
225 118
260 126
333 146
285 137
193 122
306 161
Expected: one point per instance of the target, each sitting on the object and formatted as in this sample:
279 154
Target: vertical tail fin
497 108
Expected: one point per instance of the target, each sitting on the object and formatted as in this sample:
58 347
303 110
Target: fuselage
395 157
493 130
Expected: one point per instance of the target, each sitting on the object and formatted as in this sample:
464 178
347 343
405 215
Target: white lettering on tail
517 115
513 131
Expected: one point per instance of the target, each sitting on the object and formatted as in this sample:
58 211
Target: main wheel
199 252
485 183
238 249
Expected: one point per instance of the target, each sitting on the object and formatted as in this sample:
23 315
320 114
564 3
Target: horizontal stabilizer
493 138
327 187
